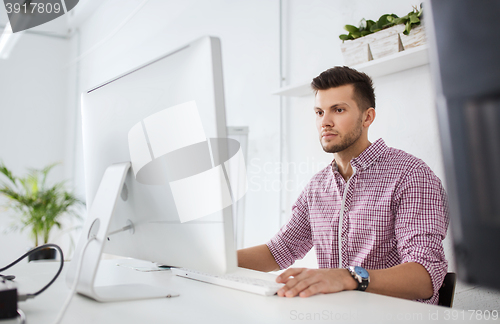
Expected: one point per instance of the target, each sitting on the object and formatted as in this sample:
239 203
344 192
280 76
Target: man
387 209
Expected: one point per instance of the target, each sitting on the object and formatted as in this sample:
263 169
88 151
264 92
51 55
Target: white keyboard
235 281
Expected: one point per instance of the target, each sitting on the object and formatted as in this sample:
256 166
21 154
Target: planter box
386 42
382 43
416 38
356 51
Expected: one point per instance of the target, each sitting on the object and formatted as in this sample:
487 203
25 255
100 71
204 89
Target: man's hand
308 282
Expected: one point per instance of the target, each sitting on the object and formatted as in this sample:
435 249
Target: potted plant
389 35
40 206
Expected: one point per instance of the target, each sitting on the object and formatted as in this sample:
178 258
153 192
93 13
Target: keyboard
266 287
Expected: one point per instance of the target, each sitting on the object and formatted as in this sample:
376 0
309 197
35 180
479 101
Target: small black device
8 289
8 299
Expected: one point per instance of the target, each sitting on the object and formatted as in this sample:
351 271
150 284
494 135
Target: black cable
7 277
33 251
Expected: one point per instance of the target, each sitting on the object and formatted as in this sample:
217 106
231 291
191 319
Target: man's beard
348 140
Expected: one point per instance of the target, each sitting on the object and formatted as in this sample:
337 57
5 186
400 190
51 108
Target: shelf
297 90
401 61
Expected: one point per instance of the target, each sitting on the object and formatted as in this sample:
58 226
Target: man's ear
369 116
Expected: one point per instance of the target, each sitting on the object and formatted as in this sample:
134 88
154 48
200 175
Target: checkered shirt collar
367 157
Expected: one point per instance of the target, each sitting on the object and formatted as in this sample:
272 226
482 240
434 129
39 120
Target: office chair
447 290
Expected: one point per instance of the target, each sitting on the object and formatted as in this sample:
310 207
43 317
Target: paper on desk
150 268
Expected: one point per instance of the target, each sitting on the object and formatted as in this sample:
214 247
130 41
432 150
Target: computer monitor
156 159
466 70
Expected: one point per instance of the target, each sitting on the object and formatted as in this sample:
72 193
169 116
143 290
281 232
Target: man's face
338 118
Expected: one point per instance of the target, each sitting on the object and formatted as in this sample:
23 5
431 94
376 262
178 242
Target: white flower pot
380 44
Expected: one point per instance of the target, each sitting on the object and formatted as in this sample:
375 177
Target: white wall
250 53
33 94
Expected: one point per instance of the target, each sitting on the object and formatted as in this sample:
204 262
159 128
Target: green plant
40 206
367 27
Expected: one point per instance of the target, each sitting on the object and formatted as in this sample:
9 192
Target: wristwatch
361 276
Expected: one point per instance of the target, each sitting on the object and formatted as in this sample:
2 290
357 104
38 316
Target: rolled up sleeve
421 223
294 239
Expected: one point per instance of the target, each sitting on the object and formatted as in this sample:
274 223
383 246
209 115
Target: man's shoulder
401 161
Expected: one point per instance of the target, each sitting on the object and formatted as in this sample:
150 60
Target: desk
205 303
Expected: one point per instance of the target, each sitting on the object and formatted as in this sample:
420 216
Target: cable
27 296
75 283
20 316
7 277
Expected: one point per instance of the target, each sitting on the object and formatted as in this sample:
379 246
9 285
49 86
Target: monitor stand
97 224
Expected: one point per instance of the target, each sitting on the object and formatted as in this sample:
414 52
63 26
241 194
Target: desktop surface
205 303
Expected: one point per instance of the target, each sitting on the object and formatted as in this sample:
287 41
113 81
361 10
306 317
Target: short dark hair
343 75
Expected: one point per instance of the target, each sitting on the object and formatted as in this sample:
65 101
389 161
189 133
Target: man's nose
326 121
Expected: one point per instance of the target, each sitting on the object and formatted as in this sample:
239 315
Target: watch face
361 272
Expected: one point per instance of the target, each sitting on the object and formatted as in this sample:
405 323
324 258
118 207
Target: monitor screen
166 120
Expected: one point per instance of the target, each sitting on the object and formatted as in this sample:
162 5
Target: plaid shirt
392 210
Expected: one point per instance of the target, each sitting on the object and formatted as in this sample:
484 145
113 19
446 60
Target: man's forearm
408 280
257 258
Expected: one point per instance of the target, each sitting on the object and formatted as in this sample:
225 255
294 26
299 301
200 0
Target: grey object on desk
466 70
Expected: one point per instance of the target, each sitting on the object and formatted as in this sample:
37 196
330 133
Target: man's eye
340 110
319 113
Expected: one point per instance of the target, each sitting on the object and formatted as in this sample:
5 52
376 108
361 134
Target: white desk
204 303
